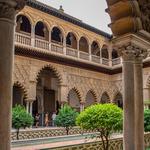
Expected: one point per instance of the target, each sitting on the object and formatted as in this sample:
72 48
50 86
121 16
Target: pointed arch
84 44
95 48
118 99
53 69
19 94
105 98
71 40
91 98
104 52
74 98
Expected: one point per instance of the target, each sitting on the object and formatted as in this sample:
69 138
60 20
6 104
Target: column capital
8 8
131 52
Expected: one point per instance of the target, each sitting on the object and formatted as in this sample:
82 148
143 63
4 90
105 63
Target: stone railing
95 59
23 39
43 44
84 55
105 61
71 52
116 61
58 48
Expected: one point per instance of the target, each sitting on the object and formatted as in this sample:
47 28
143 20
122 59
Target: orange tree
21 119
103 118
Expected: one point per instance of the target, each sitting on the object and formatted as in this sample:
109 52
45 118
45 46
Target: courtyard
68 84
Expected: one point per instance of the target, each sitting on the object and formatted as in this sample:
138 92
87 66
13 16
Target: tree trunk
17 134
67 131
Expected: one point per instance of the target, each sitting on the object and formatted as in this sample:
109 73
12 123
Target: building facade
59 59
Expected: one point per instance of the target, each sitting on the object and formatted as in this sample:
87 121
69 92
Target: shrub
103 118
21 119
66 118
147 120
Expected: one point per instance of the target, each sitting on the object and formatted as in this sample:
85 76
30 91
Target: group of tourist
46 119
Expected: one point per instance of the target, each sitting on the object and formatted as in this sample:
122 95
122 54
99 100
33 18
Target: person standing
46 119
53 118
37 119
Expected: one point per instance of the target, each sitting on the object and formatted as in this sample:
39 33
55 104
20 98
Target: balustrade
42 44
105 61
71 52
22 39
84 55
57 48
95 59
116 61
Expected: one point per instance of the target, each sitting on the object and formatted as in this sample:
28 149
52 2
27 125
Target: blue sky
89 11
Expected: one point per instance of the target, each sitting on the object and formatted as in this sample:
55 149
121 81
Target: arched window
105 98
83 45
71 40
104 52
118 100
90 99
57 36
95 49
74 100
114 54
23 24
41 31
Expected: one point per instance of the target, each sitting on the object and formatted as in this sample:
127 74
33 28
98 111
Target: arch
105 98
57 35
114 54
23 24
47 92
74 99
53 69
19 94
90 98
71 40
104 52
83 44
95 48
41 30
118 99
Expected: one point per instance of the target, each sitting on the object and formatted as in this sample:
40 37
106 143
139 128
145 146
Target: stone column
64 45
138 95
81 107
27 107
33 35
31 107
7 24
128 97
90 53
78 47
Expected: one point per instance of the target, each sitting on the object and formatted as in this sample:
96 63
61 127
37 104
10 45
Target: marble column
139 105
128 97
31 107
33 35
27 107
7 24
